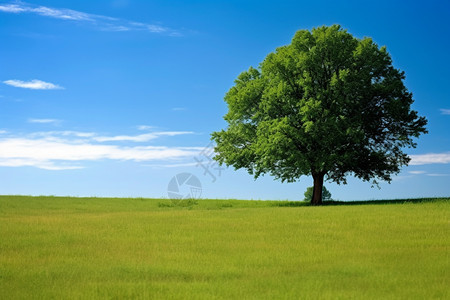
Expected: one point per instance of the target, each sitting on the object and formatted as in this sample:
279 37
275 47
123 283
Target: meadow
84 248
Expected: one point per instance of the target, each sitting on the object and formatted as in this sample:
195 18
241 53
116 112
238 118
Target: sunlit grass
52 247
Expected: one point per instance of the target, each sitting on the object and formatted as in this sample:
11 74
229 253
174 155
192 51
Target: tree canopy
327 105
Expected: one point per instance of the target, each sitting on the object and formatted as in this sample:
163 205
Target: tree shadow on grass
366 202
383 202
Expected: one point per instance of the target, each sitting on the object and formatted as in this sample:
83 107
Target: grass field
55 247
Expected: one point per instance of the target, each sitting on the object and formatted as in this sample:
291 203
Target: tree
327 105
326 195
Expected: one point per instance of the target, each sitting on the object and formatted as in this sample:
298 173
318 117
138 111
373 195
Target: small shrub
165 204
178 203
326 195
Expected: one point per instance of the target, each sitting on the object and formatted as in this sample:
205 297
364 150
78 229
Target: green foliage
326 195
327 105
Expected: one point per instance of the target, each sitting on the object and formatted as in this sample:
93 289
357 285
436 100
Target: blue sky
114 98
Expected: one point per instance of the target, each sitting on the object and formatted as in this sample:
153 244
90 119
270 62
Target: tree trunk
317 190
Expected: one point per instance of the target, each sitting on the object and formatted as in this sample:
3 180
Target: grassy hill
58 247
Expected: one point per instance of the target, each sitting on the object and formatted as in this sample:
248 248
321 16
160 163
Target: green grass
83 248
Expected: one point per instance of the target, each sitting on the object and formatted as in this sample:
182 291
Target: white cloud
437 175
58 135
11 8
139 138
178 108
34 84
3 131
445 111
66 14
58 13
428 174
417 172
99 21
41 164
50 154
63 150
145 127
93 137
430 158
67 151
401 177
44 121
117 28
148 27
156 28
174 165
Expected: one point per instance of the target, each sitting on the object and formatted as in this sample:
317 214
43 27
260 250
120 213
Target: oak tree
327 105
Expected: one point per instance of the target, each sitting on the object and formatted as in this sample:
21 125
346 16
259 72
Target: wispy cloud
99 21
37 163
63 150
173 165
430 158
445 111
12 8
94 137
417 172
44 121
139 138
178 108
145 127
437 175
56 135
58 13
428 174
34 84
